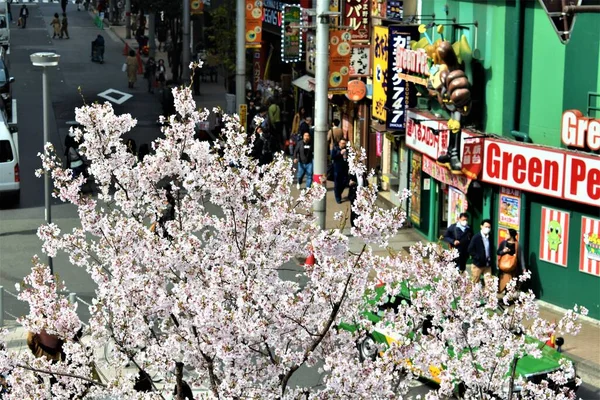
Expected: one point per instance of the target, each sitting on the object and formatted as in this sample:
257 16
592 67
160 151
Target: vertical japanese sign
291 38
509 212
378 144
334 6
415 188
554 238
311 53
254 15
399 93
380 71
472 157
589 256
339 60
356 16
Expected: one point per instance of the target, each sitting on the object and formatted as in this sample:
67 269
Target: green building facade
523 80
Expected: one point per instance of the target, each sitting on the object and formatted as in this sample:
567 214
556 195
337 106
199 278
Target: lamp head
44 59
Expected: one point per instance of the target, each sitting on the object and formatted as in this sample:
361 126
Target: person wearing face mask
458 236
481 250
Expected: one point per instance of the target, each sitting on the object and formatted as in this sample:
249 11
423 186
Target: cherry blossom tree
188 249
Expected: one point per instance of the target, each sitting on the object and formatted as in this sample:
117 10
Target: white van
10 181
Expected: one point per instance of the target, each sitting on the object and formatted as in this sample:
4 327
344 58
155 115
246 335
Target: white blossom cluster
205 288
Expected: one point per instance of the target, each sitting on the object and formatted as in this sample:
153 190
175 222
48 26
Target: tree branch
41 371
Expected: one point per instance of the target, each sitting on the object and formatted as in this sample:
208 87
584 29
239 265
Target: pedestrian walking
150 74
78 2
131 67
480 252
161 34
335 134
161 72
23 15
64 27
63 5
511 259
458 236
339 155
276 125
303 158
75 161
55 24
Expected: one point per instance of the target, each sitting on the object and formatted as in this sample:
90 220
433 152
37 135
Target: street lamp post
46 60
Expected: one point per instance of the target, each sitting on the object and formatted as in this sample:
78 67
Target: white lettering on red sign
527 168
420 137
579 131
412 61
582 179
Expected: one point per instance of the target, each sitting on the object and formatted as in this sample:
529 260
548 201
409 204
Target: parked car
369 347
4 25
10 182
5 82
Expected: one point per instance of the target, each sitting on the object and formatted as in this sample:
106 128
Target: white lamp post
45 60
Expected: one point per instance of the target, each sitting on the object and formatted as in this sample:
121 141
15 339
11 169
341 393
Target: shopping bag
20 21
124 68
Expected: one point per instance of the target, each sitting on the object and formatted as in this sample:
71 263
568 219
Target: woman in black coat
511 246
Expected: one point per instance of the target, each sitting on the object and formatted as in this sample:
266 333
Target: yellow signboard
380 68
243 115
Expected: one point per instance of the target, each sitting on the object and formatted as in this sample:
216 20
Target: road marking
115 96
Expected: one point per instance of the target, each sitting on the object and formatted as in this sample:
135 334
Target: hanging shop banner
554 238
472 157
394 10
589 257
378 8
339 61
311 53
356 16
400 93
415 188
359 60
380 70
457 202
197 7
291 38
378 144
254 17
334 6
442 174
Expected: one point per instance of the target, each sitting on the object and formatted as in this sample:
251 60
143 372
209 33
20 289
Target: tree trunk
179 380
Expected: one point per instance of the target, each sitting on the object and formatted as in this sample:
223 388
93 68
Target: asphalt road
76 80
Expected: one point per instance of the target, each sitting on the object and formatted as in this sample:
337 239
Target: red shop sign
356 16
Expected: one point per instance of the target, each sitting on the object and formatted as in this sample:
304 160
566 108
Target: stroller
98 50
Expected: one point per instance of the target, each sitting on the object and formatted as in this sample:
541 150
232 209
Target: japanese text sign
254 15
339 60
291 38
356 16
399 93
380 71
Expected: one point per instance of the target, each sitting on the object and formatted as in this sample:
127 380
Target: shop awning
305 82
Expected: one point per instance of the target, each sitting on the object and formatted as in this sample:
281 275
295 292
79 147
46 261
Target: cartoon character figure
553 235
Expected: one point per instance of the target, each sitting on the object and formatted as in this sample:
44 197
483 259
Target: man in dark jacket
303 158
458 236
339 155
481 250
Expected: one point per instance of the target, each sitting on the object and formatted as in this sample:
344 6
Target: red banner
340 49
356 16
254 15
472 157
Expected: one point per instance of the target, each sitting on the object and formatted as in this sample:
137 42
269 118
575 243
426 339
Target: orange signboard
254 16
340 50
357 90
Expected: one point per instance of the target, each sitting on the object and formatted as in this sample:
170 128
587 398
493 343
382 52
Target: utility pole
321 104
240 69
185 55
127 19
